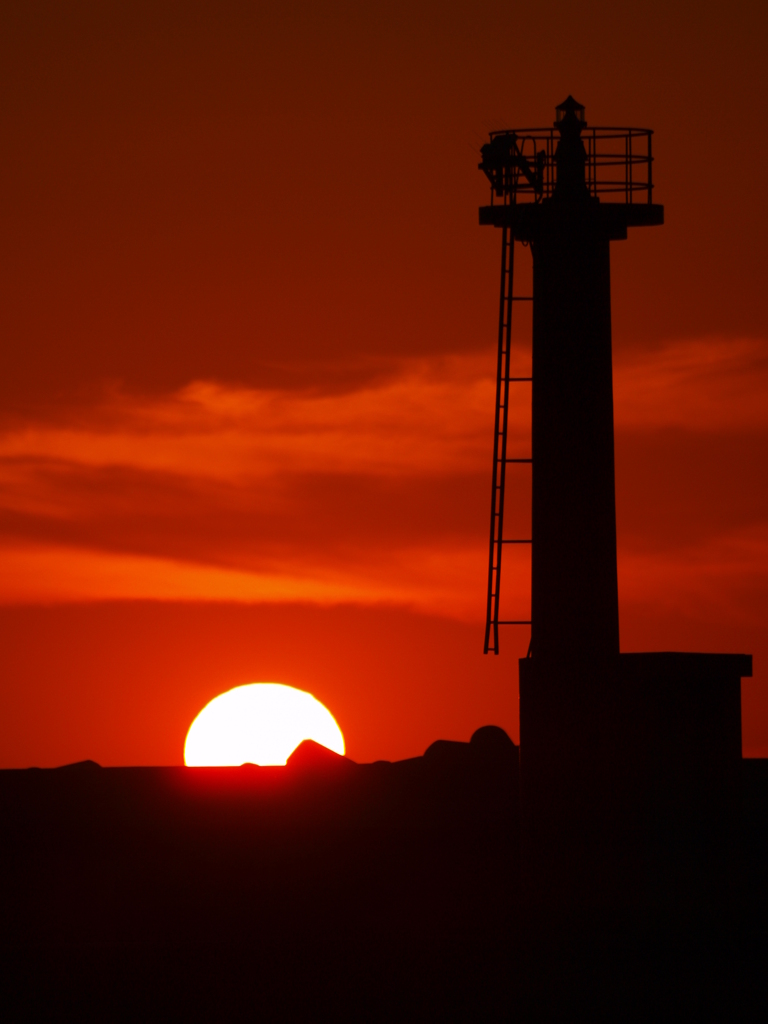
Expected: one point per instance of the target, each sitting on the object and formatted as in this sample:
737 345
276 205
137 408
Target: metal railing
520 164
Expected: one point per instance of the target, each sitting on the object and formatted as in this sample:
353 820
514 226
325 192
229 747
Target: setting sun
260 723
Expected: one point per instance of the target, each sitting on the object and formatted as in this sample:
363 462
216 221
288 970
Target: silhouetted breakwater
326 888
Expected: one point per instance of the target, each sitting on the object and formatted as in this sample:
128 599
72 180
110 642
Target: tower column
575 603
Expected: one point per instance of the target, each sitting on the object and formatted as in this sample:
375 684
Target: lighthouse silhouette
629 763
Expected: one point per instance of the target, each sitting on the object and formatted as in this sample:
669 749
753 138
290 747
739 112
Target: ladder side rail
501 421
504 434
495 477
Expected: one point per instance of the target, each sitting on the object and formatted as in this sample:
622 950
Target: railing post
628 145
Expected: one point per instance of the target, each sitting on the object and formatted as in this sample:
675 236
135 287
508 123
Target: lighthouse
629 763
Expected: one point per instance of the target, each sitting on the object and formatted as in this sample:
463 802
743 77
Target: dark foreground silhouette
330 890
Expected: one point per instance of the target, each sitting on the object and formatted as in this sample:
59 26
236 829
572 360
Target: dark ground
328 890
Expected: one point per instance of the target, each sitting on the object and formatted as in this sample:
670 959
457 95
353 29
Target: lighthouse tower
620 755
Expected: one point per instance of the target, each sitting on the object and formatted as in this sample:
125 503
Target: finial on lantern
570 112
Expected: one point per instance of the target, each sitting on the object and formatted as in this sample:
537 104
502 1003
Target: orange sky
248 319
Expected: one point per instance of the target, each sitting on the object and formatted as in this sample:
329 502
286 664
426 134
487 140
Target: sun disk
260 723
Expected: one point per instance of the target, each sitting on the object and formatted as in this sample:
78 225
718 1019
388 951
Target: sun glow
260 723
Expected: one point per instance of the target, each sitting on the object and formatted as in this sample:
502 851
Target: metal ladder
500 460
